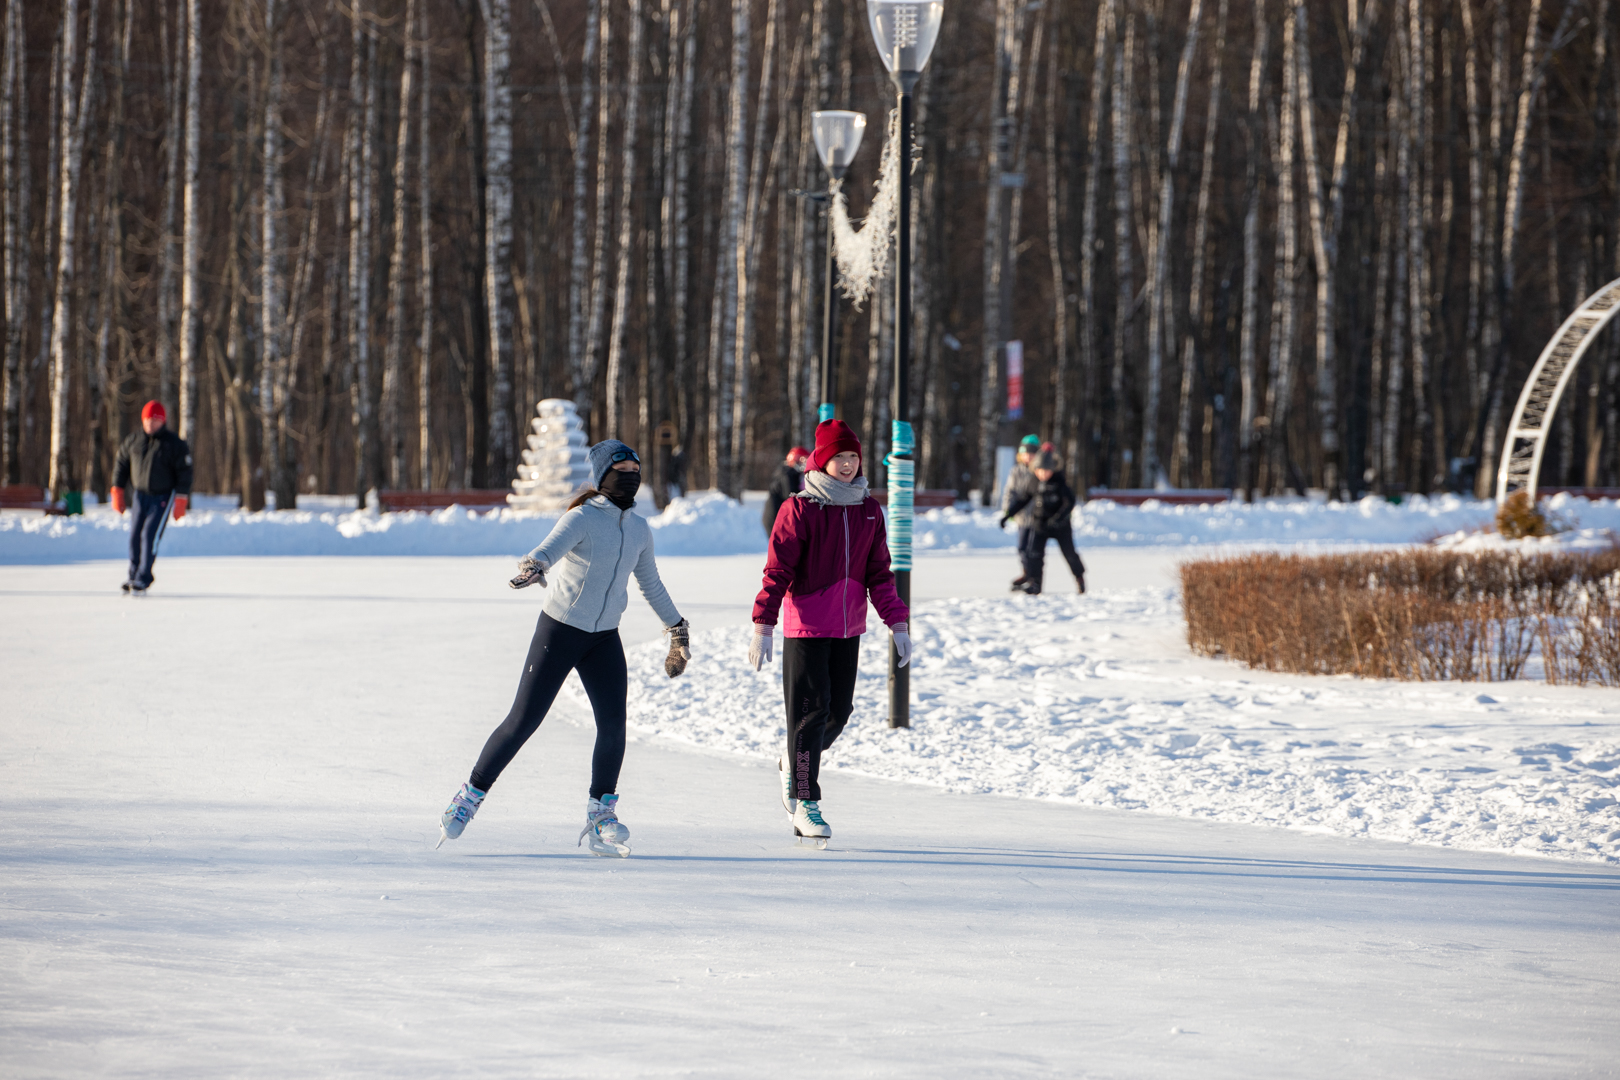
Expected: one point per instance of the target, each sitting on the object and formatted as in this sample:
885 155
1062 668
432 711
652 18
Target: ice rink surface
219 803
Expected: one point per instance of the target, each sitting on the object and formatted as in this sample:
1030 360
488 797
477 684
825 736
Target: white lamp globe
905 32
837 133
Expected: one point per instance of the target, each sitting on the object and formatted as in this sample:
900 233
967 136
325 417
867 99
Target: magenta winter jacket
822 562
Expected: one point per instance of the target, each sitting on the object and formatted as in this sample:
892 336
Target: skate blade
817 842
610 851
443 836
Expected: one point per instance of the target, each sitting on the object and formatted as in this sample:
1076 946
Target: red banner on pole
1015 380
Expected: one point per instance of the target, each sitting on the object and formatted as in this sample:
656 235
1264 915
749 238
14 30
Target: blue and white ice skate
463 806
809 826
607 834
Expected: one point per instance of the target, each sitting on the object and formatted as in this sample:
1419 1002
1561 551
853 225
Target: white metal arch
1532 417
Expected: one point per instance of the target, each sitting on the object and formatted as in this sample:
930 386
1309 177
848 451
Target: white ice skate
809 826
789 803
463 805
607 834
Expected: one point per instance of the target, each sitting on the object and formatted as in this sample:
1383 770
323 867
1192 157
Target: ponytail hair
583 497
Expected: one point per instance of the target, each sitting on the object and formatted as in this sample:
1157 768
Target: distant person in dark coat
1019 486
155 464
1049 506
788 482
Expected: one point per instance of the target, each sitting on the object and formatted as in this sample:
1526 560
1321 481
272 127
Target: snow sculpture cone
556 466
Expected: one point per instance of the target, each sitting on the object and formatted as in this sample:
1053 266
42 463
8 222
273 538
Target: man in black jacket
1050 503
155 464
787 482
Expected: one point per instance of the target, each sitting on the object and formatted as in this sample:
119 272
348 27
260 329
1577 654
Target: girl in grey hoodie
590 554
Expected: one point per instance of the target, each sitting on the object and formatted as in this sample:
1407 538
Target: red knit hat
154 411
833 437
797 453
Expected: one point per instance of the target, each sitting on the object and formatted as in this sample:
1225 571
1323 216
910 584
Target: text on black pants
818 683
556 650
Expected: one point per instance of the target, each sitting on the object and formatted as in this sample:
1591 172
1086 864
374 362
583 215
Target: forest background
1259 244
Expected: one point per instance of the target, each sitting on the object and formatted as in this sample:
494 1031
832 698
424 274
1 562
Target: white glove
759 646
902 643
530 572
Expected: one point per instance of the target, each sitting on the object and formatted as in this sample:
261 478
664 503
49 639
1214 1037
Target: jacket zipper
607 593
845 604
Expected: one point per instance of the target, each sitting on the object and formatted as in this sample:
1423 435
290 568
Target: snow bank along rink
208 793
709 524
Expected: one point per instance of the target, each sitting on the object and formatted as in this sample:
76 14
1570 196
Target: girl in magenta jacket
828 551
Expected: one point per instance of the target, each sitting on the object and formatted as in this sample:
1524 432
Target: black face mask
620 487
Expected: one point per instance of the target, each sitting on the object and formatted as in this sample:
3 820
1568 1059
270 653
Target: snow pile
707 523
1093 701
1558 543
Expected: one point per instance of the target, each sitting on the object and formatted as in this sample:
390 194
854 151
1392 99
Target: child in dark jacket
828 551
1051 502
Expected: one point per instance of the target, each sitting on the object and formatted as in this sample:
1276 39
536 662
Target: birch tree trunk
1061 305
109 305
18 200
424 267
362 106
723 342
1124 266
997 164
680 227
498 232
1088 426
168 298
1280 382
272 300
1249 341
1161 318
76 109
627 186
586 396
1181 455
1417 233
747 255
393 422
191 237
579 369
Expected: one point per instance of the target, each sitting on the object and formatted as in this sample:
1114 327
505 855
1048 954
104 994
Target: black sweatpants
556 650
147 517
818 683
1035 556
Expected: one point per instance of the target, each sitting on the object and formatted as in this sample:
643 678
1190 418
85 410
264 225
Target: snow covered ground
217 808
708 524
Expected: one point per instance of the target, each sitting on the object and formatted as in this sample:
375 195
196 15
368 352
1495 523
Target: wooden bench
922 498
23 497
389 501
1182 497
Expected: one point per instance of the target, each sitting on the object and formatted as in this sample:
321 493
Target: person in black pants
1050 502
155 464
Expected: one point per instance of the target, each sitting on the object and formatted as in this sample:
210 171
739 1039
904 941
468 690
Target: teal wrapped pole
902 468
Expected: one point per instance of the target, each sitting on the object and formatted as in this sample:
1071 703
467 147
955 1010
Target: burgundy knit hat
833 437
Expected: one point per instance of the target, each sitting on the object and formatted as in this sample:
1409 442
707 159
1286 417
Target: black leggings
556 650
818 683
1034 555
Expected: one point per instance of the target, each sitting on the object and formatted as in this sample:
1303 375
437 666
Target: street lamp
905 32
837 133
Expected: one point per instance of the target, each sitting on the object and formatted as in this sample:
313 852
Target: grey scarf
829 491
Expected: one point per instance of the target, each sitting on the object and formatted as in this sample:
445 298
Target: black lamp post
837 134
905 32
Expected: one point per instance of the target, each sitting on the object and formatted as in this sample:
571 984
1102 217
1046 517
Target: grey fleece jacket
588 559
